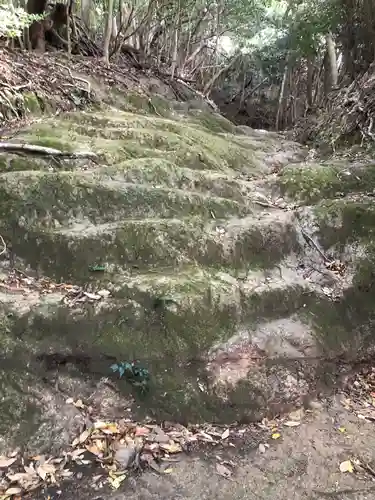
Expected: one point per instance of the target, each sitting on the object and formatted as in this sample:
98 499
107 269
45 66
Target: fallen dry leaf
116 480
94 449
223 471
276 435
205 436
292 423
171 447
141 431
6 462
92 296
262 448
296 415
30 469
13 491
46 469
84 436
346 466
76 453
225 434
20 477
66 473
107 428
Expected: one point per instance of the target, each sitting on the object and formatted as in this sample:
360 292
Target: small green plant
136 374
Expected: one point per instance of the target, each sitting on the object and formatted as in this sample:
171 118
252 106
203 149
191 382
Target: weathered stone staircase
213 286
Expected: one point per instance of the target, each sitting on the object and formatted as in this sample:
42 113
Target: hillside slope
239 275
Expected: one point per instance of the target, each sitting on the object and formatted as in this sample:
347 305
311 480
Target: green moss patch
55 199
313 183
149 243
346 221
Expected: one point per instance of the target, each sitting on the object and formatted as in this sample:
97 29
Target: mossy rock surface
181 214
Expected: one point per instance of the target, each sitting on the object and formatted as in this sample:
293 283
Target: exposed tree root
33 149
348 115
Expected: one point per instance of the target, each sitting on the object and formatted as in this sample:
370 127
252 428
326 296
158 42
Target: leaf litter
17 281
116 447
346 466
360 394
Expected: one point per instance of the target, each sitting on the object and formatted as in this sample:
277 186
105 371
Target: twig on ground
150 103
8 103
365 466
78 78
264 204
312 243
17 87
43 151
4 249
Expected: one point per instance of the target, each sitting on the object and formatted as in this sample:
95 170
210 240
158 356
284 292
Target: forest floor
302 464
320 445
61 83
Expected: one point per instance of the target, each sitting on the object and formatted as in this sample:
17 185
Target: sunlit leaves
13 20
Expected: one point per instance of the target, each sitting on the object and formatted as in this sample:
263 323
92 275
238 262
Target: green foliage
276 30
308 22
14 20
135 373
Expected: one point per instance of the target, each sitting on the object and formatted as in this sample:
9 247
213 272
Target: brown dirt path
302 464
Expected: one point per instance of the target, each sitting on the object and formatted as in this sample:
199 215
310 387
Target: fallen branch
4 249
43 151
17 87
312 243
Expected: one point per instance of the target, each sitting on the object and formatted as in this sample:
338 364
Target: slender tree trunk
108 31
175 44
280 108
85 13
114 30
68 12
332 61
310 81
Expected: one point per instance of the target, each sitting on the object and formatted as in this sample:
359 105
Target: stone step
134 136
259 240
147 314
174 324
51 200
163 173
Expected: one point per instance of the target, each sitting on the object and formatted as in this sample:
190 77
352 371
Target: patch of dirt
232 366
278 357
283 461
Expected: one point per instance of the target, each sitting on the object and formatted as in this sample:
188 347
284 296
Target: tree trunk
175 44
108 31
35 30
211 82
280 107
68 10
332 61
114 29
85 13
36 6
310 81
